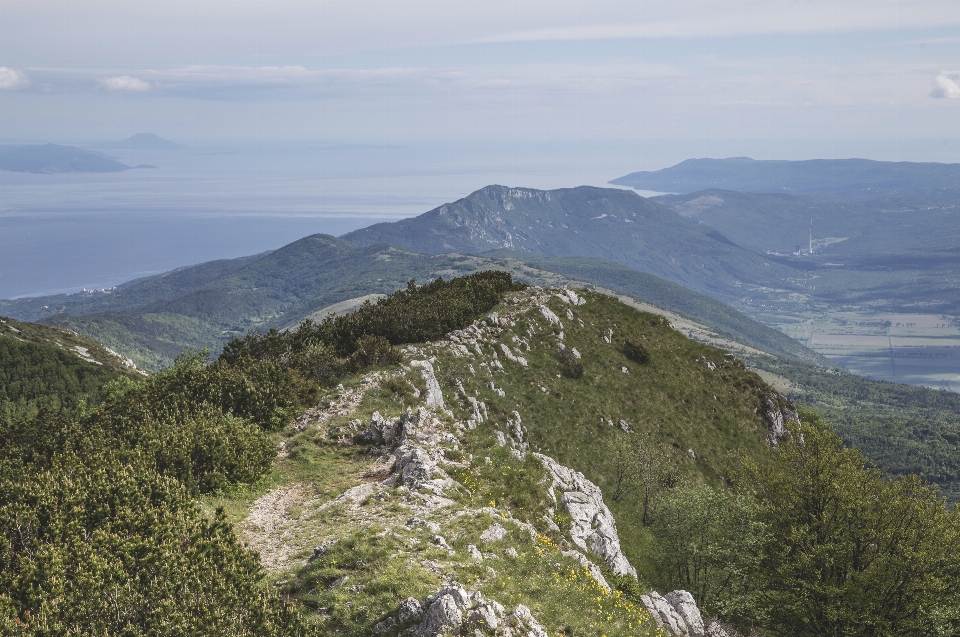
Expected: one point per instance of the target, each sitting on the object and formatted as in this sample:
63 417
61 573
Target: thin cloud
947 84
123 83
685 20
12 79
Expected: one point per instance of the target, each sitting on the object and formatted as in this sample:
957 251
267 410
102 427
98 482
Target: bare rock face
453 610
686 607
443 616
434 396
550 316
382 431
409 610
524 622
594 528
665 615
486 615
493 534
778 412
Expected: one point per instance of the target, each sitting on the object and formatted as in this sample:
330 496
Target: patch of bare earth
270 528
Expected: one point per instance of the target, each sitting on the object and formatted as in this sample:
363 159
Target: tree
707 542
641 466
852 553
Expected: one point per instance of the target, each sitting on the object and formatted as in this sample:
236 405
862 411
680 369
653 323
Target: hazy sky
463 70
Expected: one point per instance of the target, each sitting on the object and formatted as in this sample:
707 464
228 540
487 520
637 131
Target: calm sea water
62 233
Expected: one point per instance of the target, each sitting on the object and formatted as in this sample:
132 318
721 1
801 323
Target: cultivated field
918 349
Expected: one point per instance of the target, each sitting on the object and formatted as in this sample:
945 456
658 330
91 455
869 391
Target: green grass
674 400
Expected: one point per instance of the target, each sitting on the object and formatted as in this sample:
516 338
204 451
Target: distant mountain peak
143 141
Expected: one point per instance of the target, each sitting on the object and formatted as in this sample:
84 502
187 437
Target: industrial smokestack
811 236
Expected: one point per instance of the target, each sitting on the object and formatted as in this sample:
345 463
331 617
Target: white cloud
123 83
947 84
12 79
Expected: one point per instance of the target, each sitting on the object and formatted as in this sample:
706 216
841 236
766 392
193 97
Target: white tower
811 236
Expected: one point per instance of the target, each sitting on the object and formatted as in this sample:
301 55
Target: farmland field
917 349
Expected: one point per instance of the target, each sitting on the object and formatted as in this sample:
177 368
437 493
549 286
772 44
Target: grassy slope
701 308
674 399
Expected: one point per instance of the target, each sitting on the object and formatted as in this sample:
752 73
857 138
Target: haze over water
65 232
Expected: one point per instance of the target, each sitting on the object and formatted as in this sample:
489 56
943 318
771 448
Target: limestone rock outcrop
594 528
453 609
778 411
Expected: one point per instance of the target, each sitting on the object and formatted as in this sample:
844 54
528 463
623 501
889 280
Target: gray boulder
686 607
593 526
381 430
410 610
664 614
522 620
495 533
486 615
443 616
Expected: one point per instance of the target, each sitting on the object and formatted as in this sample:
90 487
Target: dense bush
414 315
95 546
635 351
36 376
572 366
708 543
98 532
341 345
851 552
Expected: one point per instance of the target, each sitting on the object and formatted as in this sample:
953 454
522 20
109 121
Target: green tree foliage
852 553
708 543
414 315
340 345
36 376
93 545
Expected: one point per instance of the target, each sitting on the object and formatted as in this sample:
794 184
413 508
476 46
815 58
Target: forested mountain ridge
604 223
153 319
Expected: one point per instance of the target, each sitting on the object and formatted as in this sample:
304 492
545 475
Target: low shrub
635 351
572 366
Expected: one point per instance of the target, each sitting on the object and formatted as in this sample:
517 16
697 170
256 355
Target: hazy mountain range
846 177
54 158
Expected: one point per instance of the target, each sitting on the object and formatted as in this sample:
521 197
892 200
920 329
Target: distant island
47 159
814 176
142 141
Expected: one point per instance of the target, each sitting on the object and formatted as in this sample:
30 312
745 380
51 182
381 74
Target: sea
62 233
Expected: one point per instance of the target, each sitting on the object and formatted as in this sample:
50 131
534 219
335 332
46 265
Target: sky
482 71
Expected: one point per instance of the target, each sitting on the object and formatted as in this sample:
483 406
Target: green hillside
427 446
896 224
905 429
154 319
611 224
44 367
701 308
